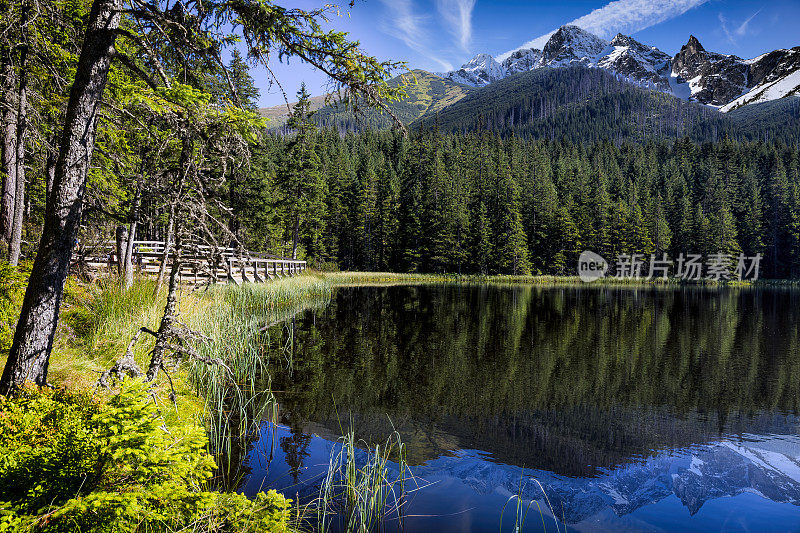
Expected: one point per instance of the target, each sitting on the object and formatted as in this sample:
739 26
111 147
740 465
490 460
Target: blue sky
437 35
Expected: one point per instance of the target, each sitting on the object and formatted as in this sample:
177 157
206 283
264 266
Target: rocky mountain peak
693 45
571 43
623 40
691 59
480 60
523 60
721 80
478 71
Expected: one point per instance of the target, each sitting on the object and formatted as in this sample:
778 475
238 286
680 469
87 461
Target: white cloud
622 16
405 24
734 34
458 16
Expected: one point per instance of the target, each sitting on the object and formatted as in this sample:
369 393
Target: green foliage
71 463
478 203
361 495
588 105
12 289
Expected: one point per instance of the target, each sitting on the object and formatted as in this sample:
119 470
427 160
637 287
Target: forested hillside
426 94
581 104
577 104
478 203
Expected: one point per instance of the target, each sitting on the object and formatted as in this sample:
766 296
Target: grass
517 504
99 319
362 279
361 494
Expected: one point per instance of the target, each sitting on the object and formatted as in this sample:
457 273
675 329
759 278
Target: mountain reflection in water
636 409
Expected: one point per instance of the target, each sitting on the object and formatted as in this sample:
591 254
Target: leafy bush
69 463
12 289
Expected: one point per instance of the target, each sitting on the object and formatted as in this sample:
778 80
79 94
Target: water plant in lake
521 509
361 490
237 395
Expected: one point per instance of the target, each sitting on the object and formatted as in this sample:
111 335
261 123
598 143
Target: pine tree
301 179
777 217
660 231
239 74
511 248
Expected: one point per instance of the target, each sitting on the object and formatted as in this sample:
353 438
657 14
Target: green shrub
69 463
12 289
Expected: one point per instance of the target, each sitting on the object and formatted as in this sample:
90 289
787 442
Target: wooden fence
199 263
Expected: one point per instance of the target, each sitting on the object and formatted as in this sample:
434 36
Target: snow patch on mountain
723 81
787 86
481 70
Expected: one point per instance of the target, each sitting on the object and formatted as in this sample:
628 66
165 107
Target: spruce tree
301 179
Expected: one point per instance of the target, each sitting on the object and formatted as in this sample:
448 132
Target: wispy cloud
734 34
404 23
622 16
458 16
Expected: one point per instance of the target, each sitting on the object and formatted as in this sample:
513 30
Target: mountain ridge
722 81
427 94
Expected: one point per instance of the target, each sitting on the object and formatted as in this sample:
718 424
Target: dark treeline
580 105
575 104
477 203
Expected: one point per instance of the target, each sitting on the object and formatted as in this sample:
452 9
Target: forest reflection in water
574 384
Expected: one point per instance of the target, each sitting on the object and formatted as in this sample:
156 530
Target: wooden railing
199 263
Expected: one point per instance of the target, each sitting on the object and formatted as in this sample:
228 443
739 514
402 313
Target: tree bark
8 158
162 270
295 235
122 247
131 238
165 330
15 246
33 339
50 169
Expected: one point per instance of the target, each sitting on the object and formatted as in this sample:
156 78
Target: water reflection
635 408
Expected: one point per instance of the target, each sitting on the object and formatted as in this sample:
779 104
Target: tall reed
521 509
361 492
236 320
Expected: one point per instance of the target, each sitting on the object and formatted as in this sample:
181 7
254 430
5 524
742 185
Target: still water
619 409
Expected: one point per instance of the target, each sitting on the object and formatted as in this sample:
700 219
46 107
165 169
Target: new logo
591 266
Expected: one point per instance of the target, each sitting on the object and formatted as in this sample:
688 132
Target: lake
620 409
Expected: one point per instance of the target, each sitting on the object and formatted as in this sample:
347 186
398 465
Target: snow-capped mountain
634 60
571 45
481 70
767 466
714 79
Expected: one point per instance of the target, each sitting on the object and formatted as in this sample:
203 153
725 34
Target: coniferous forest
169 361
479 203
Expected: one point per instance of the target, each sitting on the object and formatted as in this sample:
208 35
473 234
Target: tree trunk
165 330
131 238
128 263
122 247
50 169
33 339
295 236
162 270
15 246
8 164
